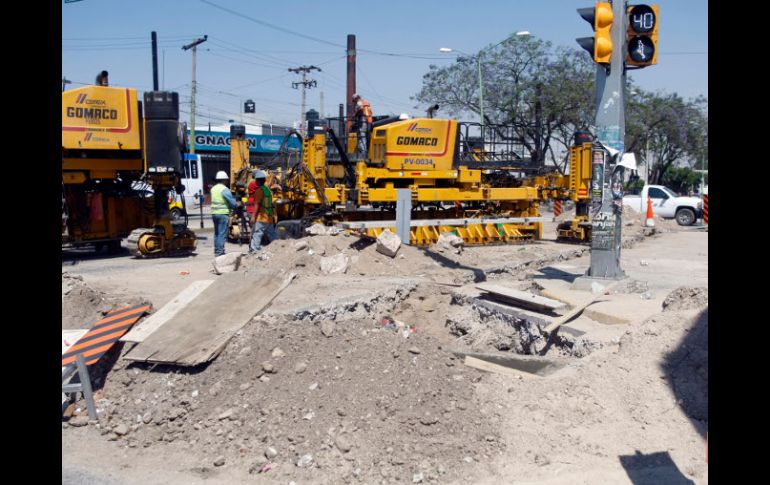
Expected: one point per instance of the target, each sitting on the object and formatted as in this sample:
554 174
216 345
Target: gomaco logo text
417 140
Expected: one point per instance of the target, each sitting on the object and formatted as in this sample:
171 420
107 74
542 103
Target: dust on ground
325 393
686 298
82 305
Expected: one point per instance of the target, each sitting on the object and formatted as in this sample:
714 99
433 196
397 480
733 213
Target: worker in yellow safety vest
222 203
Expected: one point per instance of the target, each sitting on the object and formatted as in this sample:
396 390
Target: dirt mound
686 298
82 305
304 256
687 368
363 401
566 416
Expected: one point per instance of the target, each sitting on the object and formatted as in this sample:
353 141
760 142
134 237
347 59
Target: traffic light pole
606 222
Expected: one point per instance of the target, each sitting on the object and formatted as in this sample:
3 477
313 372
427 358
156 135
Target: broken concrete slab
227 263
521 298
448 240
508 310
388 243
334 264
526 365
329 296
623 309
614 309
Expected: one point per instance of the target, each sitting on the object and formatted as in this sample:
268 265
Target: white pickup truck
666 204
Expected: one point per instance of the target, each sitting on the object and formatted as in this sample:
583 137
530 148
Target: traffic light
642 35
600 17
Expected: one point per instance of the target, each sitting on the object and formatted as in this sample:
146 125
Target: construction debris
388 243
321 385
521 298
334 264
227 263
198 332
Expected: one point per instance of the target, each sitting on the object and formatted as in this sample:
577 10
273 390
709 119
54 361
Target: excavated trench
461 323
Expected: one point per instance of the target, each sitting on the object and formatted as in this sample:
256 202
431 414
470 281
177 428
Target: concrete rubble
388 243
355 372
227 263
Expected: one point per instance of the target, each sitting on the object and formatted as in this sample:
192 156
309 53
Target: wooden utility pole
194 47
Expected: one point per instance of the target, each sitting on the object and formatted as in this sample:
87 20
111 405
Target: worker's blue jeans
260 229
220 232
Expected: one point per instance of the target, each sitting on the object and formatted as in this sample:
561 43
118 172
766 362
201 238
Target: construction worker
222 203
262 219
362 120
101 79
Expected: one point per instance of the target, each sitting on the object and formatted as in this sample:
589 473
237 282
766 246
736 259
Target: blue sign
219 141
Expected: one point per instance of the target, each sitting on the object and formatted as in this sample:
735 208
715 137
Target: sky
252 44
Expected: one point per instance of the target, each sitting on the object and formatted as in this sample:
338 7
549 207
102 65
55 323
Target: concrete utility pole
305 83
194 47
610 130
321 110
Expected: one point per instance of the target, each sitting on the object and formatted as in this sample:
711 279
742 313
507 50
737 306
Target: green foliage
681 179
666 129
635 187
544 93
548 93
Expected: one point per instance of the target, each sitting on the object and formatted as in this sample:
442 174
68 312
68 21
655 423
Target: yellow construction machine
238 225
477 188
109 145
578 180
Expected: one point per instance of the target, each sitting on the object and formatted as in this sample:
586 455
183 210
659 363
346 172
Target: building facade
212 143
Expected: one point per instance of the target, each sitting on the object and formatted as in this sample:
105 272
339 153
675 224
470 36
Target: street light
478 62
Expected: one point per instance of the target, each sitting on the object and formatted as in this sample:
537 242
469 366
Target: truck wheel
685 217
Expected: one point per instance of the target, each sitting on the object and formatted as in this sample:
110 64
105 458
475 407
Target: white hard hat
356 96
221 175
259 174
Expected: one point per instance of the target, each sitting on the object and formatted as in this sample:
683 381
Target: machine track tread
132 243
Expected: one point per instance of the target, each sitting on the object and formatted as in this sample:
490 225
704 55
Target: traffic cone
650 221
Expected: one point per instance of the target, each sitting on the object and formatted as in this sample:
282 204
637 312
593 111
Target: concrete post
403 214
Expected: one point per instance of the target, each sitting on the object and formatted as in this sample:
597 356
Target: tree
545 94
680 179
673 129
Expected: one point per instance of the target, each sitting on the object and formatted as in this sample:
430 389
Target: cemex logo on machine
82 99
88 136
413 127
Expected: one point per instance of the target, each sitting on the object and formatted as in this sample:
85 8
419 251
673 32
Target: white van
192 179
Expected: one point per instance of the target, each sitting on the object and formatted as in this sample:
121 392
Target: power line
165 37
260 53
267 24
241 96
209 51
259 82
